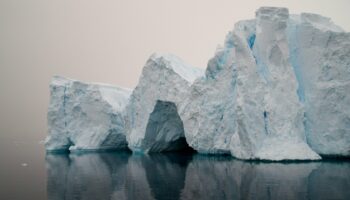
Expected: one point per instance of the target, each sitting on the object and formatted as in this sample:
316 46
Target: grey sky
109 41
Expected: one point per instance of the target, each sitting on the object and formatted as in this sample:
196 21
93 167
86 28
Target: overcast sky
109 41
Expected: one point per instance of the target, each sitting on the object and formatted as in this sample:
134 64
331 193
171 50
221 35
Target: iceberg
250 106
278 89
84 116
153 121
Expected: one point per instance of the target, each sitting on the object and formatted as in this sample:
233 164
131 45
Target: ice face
249 102
84 116
153 121
321 60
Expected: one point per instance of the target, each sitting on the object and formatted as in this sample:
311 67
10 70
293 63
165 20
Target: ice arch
164 131
156 104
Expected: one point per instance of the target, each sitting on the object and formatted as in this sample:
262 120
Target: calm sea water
28 173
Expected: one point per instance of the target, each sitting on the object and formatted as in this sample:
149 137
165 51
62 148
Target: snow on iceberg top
61 80
114 95
189 73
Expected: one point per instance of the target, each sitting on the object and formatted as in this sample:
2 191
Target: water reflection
124 175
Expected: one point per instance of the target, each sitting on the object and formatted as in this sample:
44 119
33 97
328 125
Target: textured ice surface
84 116
247 104
153 121
321 59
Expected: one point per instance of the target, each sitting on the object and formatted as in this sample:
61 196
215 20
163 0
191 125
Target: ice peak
174 63
272 13
60 80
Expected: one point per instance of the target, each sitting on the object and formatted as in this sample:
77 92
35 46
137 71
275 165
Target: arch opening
165 130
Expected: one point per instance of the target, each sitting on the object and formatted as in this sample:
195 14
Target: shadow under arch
165 130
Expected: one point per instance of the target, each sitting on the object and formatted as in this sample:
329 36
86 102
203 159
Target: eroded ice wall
84 116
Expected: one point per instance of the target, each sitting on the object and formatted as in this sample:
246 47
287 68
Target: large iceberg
278 89
84 116
153 122
249 96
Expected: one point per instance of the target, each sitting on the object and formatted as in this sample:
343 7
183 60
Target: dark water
30 174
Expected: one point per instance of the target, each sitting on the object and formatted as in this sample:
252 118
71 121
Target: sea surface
27 172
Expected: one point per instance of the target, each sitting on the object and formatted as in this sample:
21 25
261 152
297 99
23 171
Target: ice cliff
86 116
278 89
249 95
321 60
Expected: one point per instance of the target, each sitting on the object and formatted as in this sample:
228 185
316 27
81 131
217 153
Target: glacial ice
86 116
249 96
153 122
278 89
321 59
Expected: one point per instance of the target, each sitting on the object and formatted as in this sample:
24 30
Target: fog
109 41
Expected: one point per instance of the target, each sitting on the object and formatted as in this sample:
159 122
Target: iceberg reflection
124 175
